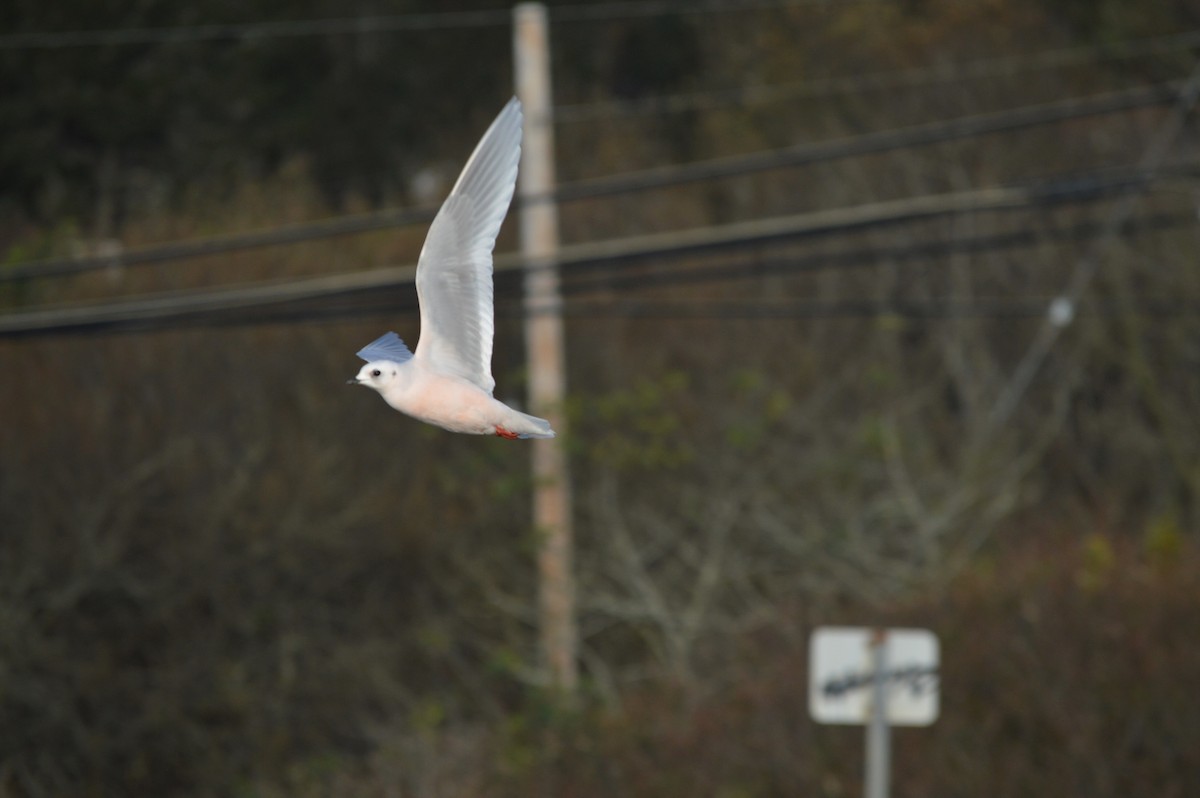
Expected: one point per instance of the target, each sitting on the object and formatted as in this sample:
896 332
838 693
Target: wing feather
388 346
454 273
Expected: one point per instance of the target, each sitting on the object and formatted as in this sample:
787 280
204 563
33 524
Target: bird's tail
532 426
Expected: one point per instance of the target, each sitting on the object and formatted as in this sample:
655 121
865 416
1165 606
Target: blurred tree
655 58
244 585
362 107
1118 19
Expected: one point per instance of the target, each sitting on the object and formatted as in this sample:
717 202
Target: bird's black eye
375 372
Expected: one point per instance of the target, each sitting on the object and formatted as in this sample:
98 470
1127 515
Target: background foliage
222 573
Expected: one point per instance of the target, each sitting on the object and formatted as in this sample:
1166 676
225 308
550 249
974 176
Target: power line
1077 188
937 132
948 309
222 244
740 269
660 177
362 303
944 309
593 12
155 309
52 40
1058 314
877 81
382 23
159 309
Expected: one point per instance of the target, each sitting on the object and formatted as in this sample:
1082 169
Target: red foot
504 433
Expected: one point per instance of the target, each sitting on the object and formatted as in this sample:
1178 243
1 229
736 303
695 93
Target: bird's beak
353 381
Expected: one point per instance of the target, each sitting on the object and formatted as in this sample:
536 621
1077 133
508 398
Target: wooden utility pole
544 347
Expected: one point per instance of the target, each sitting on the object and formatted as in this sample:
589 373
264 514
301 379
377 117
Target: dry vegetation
223 573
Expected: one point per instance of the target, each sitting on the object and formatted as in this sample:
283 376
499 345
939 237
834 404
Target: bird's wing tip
388 346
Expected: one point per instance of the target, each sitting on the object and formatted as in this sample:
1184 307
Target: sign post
874 677
878 732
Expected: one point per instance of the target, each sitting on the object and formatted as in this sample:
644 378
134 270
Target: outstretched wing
454 273
386 347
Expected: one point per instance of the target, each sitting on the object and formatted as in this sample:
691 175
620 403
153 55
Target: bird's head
378 374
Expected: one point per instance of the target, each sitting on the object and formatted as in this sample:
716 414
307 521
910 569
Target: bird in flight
448 381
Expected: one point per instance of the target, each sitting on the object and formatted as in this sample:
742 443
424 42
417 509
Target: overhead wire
924 134
820 87
613 278
221 244
1058 314
943 309
806 153
632 9
251 299
880 141
275 29
380 23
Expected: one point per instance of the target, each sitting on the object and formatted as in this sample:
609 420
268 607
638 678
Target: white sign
841 675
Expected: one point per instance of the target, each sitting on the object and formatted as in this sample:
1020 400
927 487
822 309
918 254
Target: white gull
448 381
